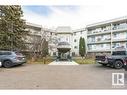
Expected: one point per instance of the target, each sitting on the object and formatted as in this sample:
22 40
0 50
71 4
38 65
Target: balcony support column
111 36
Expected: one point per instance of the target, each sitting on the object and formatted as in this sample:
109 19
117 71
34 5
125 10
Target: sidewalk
63 63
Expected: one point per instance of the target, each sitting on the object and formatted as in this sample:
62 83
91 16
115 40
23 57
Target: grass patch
42 61
84 61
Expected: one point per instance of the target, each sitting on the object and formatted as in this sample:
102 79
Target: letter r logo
118 79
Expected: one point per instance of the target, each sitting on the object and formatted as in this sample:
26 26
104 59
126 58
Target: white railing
64 46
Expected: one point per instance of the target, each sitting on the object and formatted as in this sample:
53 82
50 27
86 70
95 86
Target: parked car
125 67
118 59
11 58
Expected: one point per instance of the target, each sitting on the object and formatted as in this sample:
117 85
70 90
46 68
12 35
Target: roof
33 25
63 29
79 30
107 22
63 43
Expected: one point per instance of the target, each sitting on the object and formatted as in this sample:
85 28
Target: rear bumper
106 61
19 62
101 62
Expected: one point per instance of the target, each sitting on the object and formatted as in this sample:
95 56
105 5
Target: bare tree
40 44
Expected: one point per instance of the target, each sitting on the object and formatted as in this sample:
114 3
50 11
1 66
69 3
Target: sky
76 16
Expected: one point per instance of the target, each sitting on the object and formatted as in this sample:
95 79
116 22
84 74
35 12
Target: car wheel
118 64
7 64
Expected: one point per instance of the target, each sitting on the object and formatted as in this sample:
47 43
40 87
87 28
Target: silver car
11 58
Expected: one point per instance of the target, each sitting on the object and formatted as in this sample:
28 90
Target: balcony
100 40
99 33
101 30
119 40
116 48
119 26
100 50
120 30
99 47
116 28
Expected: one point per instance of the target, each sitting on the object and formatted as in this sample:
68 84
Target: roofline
79 30
39 26
64 32
33 25
107 22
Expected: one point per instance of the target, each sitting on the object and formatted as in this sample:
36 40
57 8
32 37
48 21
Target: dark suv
118 59
11 58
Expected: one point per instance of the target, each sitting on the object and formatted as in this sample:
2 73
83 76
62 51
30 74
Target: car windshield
5 53
119 53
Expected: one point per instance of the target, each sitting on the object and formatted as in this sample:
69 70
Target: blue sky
71 15
40 10
47 11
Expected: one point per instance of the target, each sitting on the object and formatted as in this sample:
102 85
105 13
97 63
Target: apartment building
36 35
60 34
75 40
102 37
107 36
33 37
66 34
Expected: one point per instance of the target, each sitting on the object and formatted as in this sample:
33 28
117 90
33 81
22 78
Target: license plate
99 61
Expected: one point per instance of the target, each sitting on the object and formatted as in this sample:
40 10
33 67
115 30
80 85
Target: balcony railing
101 40
120 39
101 31
99 50
97 33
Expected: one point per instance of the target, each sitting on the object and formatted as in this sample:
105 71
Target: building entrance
64 52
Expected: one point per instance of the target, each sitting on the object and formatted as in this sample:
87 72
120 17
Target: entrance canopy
63 47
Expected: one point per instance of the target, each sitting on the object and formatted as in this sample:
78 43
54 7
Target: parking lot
38 76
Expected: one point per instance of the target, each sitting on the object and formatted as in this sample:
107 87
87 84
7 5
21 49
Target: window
5 53
102 28
102 36
75 40
119 53
115 35
93 39
126 35
108 45
81 32
114 45
75 34
75 47
66 39
102 45
73 53
90 47
59 39
126 45
89 32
